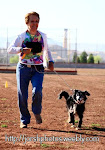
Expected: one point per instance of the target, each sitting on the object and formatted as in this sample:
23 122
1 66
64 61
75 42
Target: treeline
82 58
85 58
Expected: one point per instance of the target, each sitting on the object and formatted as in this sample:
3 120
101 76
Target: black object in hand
36 46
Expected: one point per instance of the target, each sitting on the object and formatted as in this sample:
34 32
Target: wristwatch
21 50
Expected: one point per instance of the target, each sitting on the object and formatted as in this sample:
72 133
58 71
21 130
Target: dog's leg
80 120
72 119
69 118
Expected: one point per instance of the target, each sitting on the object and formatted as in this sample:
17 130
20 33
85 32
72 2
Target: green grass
45 145
7 121
4 126
61 146
95 125
86 127
4 121
3 99
76 121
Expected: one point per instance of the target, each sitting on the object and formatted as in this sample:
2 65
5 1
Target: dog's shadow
94 128
99 129
76 131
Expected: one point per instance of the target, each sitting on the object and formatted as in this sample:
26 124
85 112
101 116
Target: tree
83 57
75 57
91 59
78 59
14 59
97 59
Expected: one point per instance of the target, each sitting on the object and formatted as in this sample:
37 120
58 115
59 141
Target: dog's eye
77 94
81 94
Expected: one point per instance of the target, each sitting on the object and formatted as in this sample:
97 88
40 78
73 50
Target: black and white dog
75 105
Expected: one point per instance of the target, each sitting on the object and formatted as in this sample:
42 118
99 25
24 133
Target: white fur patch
73 109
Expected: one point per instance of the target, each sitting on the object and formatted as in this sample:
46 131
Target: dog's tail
65 94
87 93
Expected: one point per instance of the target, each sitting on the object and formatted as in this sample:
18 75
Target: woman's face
33 23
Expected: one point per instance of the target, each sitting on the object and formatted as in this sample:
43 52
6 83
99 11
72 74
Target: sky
85 19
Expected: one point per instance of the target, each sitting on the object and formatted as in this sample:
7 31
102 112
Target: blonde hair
29 14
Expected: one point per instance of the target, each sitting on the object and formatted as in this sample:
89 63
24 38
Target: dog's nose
78 102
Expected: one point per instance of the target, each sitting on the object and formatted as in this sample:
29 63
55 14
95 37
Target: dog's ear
87 93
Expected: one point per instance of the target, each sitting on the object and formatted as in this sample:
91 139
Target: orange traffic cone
6 84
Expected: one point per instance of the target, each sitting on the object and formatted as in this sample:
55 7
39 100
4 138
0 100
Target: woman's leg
23 78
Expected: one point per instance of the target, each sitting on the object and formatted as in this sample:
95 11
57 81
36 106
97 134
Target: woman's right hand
26 50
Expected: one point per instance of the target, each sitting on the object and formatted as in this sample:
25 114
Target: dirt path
54 132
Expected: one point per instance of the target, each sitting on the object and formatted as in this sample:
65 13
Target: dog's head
80 96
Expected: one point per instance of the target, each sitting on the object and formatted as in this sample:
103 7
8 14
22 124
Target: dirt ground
54 133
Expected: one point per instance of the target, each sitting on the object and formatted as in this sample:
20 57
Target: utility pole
76 50
7 47
65 42
69 46
65 38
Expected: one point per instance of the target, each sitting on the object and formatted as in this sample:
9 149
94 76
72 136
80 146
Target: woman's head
27 16
32 21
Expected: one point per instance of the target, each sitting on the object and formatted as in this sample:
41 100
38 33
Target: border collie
75 105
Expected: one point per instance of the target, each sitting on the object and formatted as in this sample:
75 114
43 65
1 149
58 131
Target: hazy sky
87 16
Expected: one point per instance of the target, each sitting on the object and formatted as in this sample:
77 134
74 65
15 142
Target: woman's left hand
51 66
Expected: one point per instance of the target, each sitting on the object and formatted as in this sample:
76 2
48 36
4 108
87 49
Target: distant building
65 38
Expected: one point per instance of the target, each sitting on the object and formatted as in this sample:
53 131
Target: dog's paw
77 128
68 121
73 126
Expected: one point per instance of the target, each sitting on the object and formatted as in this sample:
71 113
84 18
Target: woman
33 53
